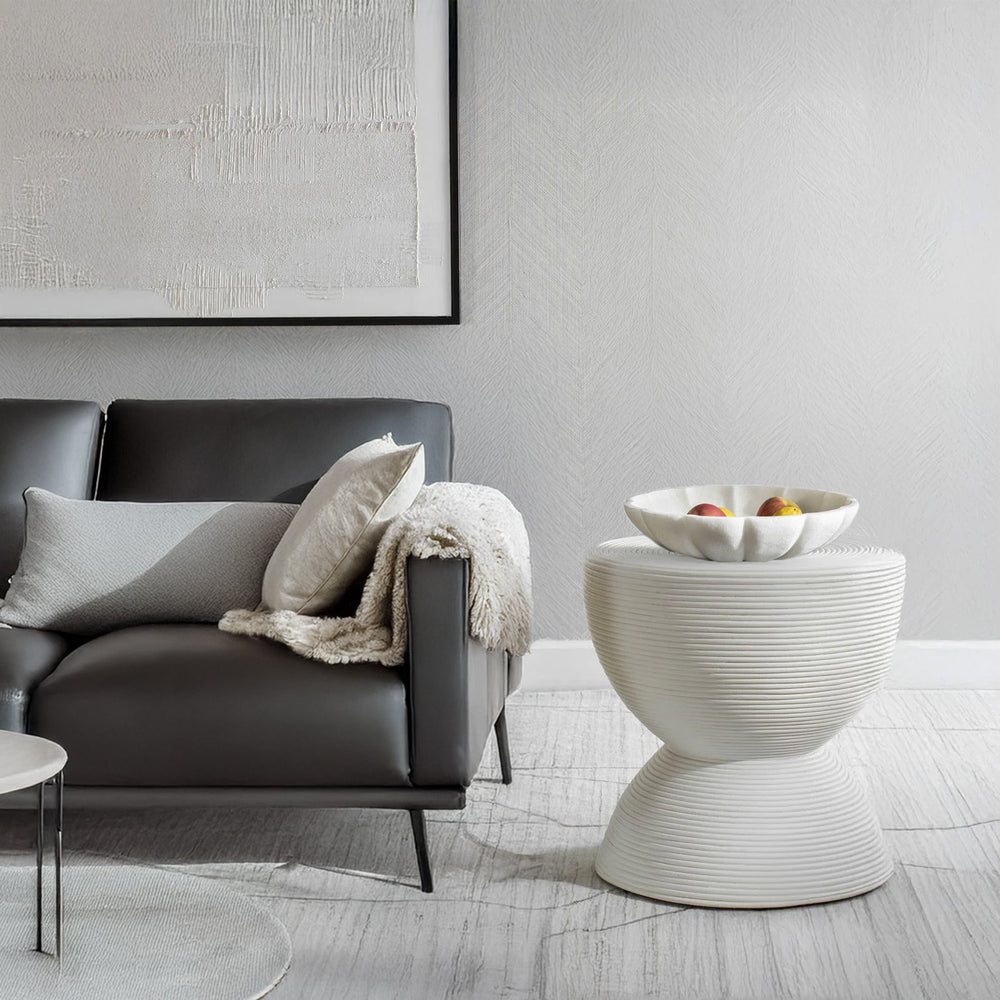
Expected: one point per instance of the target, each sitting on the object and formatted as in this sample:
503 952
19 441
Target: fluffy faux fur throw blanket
447 520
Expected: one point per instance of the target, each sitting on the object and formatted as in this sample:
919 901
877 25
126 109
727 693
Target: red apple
709 510
777 505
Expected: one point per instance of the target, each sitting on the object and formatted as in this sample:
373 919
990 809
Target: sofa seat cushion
26 656
188 705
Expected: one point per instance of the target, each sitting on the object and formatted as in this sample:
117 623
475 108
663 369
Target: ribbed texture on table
731 660
754 833
745 671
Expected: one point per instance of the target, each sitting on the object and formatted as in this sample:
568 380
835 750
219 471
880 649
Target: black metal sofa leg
503 745
417 815
420 842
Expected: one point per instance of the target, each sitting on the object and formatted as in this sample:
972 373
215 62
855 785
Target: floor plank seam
940 829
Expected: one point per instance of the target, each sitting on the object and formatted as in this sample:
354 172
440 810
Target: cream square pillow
331 542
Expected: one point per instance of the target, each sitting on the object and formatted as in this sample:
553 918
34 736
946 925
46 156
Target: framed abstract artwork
228 161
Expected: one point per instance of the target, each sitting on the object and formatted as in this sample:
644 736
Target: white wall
702 241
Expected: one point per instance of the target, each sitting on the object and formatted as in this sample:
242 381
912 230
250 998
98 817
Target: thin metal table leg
39 841
59 898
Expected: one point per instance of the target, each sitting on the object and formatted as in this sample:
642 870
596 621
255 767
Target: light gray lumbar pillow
90 566
330 545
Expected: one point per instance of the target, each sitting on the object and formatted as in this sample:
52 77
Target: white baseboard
572 664
562 665
961 664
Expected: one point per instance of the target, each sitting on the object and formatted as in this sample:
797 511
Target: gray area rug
131 933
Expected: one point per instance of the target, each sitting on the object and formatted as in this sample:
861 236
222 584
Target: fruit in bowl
778 507
710 510
665 517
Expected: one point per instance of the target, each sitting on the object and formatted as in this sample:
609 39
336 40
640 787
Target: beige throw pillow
331 541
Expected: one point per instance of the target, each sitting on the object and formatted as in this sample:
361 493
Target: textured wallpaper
701 241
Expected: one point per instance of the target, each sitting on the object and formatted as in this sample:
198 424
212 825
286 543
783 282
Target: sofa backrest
51 443
254 449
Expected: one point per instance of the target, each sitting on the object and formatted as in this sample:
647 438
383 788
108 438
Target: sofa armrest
456 687
27 657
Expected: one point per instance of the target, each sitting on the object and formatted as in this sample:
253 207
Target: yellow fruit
790 509
727 512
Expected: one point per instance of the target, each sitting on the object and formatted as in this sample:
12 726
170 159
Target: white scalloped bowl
662 516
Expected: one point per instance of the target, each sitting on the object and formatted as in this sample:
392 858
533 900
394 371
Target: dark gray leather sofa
184 714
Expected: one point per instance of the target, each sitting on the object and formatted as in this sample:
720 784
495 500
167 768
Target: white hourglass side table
745 670
26 761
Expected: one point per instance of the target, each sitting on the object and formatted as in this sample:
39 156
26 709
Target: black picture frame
449 272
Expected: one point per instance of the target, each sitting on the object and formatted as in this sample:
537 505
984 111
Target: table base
766 832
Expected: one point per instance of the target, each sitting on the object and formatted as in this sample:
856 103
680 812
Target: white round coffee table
745 671
26 761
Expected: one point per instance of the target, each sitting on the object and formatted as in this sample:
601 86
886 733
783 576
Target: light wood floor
519 912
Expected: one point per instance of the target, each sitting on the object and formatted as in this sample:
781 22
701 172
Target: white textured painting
225 160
